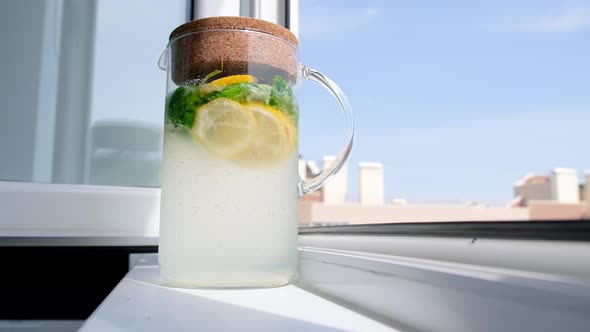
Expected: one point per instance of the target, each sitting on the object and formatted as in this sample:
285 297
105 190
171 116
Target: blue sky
458 99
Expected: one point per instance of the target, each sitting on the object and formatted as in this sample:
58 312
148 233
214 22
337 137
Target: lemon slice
291 131
224 127
219 84
275 136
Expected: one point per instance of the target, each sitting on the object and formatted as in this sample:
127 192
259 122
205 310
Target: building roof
532 179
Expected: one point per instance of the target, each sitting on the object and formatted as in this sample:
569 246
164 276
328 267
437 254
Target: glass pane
466 111
83 99
23 82
129 90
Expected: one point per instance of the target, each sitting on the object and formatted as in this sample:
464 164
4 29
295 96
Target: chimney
334 192
371 184
587 190
564 185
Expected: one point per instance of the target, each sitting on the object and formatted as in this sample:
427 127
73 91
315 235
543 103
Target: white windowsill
65 210
339 290
140 303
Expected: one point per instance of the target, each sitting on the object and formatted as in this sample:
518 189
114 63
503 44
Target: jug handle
163 59
328 173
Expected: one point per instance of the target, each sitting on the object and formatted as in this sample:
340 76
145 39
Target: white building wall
334 192
564 185
535 191
371 184
352 213
587 190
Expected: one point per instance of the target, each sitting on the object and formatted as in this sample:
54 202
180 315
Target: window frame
553 230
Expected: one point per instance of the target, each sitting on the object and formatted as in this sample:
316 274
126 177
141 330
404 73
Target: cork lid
237 23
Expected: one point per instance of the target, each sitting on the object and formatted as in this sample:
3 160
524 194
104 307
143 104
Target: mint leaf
238 92
282 97
181 106
244 92
260 93
206 78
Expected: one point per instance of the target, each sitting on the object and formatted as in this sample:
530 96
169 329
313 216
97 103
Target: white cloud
566 20
370 11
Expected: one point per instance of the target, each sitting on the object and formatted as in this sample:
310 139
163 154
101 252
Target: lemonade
228 215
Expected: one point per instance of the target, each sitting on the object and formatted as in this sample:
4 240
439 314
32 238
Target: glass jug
230 182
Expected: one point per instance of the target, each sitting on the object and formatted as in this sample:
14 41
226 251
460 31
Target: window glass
465 111
127 108
21 33
93 104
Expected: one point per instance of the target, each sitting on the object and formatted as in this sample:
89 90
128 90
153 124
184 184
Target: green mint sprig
185 100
